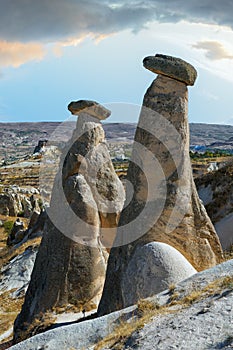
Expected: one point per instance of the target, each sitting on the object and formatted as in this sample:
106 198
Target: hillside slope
195 314
216 191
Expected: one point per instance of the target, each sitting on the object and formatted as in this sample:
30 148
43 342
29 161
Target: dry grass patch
172 287
3 237
39 325
228 254
8 253
9 309
215 287
74 307
28 176
147 310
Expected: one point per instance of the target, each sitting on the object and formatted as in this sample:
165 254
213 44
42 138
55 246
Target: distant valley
20 139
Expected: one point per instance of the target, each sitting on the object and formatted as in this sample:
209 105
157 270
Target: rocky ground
205 325
19 241
194 314
215 190
16 263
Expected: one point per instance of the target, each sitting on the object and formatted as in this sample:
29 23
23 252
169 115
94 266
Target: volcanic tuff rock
203 323
13 203
71 262
94 109
40 147
215 190
17 227
152 269
174 213
171 67
10 204
89 156
15 275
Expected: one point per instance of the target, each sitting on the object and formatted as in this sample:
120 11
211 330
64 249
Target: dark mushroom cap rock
91 108
171 67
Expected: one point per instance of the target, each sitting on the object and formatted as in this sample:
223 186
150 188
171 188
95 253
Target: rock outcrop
15 203
15 275
40 147
94 162
153 268
197 324
10 204
171 67
71 262
17 230
216 191
165 204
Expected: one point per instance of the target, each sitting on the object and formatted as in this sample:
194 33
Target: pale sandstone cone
65 270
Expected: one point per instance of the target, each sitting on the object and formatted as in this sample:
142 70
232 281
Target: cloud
15 53
55 20
214 50
26 26
97 38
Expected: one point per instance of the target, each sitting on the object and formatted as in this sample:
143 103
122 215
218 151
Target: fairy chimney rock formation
96 166
165 204
86 200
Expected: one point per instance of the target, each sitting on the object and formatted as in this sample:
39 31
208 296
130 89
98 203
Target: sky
53 52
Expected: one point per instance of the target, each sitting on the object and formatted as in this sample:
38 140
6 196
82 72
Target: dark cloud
53 19
49 20
214 50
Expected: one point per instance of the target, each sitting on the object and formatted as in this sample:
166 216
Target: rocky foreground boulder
153 268
165 206
71 262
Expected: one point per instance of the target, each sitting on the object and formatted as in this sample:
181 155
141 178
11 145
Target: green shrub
8 225
40 203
